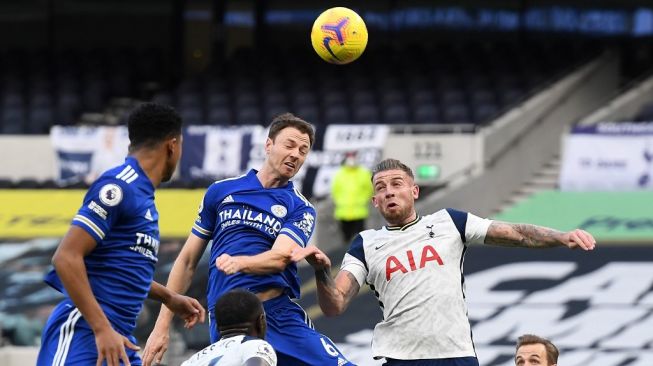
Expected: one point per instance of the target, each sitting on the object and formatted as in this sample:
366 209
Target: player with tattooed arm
414 266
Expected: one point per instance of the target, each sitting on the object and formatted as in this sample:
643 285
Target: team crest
279 211
111 195
306 225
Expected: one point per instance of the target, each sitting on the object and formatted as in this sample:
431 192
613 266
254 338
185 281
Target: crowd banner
217 152
608 157
83 153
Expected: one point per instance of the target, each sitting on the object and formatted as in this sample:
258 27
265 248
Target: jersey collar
404 227
133 162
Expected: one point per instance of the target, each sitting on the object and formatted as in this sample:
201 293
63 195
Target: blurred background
535 111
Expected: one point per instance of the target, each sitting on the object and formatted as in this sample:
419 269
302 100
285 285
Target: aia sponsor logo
407 262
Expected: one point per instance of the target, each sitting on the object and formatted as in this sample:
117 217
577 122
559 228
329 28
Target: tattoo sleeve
335 295
324 276
522 235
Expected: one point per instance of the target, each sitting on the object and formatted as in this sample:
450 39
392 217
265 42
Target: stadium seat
397 113
427 114
366 114
309 113
249 116
192 115
220 115
483 112
13 121
336 114
456 113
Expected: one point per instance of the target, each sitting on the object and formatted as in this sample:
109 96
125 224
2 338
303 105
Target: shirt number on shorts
329 348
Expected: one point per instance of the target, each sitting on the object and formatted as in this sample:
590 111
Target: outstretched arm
533 236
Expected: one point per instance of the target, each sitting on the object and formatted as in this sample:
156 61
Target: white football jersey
416 272
233 351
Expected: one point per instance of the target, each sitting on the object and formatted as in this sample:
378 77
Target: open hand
313 255
111 347
188 309
579 239
156 346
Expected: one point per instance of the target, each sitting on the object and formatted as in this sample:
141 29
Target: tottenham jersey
242 217
233 351
119 213
416 273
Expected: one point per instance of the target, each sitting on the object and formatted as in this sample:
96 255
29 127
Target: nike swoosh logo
326 41
379 247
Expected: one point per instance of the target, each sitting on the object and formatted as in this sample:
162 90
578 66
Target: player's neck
407 220
268 179
151 165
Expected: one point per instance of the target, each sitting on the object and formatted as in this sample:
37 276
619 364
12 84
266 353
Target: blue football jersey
242 217
120 214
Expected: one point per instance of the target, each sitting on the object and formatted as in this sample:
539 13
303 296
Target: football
339 35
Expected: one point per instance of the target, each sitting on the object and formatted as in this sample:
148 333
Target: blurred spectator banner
219 152
608 157
215 152
47 213
83 153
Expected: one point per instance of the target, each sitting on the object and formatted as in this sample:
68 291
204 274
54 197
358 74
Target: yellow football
339 35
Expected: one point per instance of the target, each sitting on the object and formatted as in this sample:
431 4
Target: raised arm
533 236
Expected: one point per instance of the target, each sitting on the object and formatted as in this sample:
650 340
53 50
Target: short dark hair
151 123
552 352
237 307
290 120
391 164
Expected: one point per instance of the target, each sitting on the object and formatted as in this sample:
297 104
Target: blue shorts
457 361
68 340
291 334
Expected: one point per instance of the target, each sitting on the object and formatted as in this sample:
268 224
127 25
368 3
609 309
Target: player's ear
262 325
415 191
268 145
374 201
171 145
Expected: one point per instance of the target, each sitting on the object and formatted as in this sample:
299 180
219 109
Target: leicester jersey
234 351
119 213
241 217
416 271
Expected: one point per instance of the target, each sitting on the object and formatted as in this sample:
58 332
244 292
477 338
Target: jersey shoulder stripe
292 234
230 179
301 197
202 230
128 174
90 224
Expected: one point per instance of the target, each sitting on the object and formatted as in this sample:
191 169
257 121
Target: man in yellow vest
351 190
